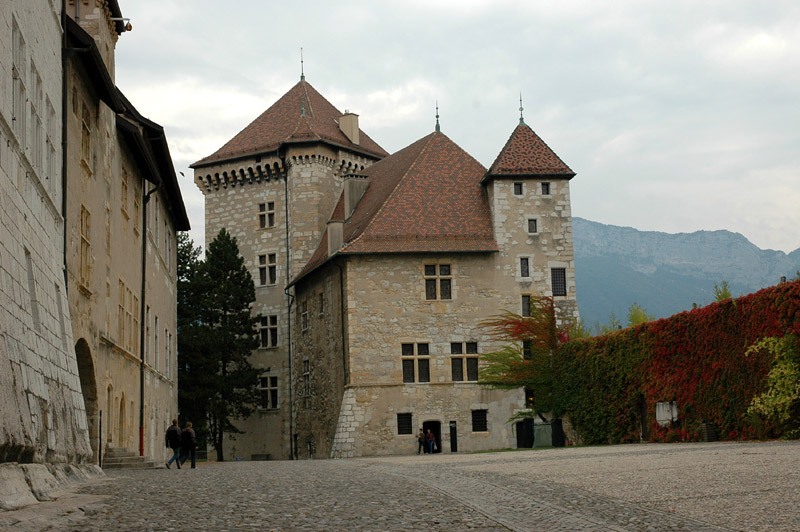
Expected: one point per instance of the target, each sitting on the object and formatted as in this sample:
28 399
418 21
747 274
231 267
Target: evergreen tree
194 361
721 291
637 314
228 295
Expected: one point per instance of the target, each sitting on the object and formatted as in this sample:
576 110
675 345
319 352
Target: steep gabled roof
527 155
426 198
300 115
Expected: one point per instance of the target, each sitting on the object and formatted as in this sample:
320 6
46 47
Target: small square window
518 189
407 350
456 348
430 269
479 423
524 267
532 226
404 424
545 189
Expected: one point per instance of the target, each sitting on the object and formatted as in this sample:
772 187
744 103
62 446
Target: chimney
354 188
335 236
348 123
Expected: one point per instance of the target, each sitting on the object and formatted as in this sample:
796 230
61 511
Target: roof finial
302 74
437 116
521 120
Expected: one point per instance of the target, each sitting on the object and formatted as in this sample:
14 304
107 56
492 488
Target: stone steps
122 458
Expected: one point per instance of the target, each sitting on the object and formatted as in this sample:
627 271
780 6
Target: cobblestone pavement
677 487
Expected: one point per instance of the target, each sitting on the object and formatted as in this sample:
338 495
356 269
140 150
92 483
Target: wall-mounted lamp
126 20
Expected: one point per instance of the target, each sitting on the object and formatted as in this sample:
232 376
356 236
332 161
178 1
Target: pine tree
219 383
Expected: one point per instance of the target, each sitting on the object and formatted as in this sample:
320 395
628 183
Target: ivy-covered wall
697 358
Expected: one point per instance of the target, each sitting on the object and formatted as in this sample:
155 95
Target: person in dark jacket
173 441
421 447
189 444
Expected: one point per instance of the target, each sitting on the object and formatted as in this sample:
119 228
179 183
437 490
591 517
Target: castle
373 273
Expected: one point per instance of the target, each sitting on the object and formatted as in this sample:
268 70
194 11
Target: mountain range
666 273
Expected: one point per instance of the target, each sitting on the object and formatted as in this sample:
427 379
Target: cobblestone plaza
650 487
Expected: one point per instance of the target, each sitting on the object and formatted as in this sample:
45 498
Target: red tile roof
525 154
285 123
426 198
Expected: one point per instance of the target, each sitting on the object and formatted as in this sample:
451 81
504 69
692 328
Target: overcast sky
676 116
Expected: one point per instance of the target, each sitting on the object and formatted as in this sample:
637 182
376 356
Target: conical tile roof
526 154
300 115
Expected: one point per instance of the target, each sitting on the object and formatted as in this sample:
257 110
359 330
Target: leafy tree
637 314
218 382
525 361
779 405
613 325
722 291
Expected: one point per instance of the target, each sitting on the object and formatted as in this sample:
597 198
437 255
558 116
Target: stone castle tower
273 187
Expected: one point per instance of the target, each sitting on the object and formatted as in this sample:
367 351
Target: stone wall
43 418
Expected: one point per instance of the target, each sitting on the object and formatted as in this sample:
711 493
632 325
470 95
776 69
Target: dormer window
438 282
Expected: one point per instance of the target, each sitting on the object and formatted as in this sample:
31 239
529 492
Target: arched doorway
109 415
436 428
89 391
123 437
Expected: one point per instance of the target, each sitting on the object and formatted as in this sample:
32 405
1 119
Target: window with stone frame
545 189
86 139
558 281
266 215
304 315
267 269
123 200
518 189
268 388
464 361
524 267
479 421
532 226
405 423
268 330
415 359
86 248
526 305
321 303
438 282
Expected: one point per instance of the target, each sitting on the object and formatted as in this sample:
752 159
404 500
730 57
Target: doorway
524 430
436 428
89 391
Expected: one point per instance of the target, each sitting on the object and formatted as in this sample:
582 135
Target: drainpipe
142 316
289 301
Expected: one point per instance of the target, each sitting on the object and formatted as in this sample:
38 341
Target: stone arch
89 390
109 415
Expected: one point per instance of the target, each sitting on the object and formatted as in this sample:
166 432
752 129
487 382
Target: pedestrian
173 441
189 444
421 442
431 439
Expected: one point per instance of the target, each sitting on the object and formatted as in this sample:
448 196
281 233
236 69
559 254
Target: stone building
123 208
391 263
42 418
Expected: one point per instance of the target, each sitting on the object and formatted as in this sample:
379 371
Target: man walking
189 444
173 441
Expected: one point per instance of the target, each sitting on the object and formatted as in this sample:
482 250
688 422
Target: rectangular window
532 226
321 303
266 215
86 248
545 189
404 425
524 267
527 350
272 268
268 387
458 361
262 270
415 355
304 316
526 305
558 278
123 202
438 282
479 423
306 378
518 189
86 138
268 328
